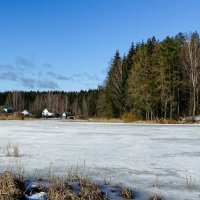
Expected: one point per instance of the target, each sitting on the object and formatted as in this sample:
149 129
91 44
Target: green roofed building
7 108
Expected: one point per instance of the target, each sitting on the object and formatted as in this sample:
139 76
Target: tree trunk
151 115
194 101
165 112
171 110
178 108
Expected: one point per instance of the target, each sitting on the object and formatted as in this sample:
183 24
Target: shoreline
103 120
187 120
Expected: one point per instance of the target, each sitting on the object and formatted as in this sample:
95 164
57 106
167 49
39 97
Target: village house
47 114
25 112
6 109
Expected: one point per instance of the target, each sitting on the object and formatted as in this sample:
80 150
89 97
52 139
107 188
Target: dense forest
155 80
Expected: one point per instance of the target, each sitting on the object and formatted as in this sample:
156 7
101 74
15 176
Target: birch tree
191 62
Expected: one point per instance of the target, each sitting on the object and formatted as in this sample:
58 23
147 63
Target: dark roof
8 107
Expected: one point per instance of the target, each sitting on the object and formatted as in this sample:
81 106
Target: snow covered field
163 159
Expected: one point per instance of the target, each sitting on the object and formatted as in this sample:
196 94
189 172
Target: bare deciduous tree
191 62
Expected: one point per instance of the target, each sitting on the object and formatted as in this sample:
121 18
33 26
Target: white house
64 115
46 113
25 112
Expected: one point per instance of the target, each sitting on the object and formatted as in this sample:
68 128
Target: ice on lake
163 159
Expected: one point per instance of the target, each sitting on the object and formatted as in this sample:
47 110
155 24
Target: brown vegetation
108 120
60 190
90 191
10 116
127 193
130 117
156 197
11 187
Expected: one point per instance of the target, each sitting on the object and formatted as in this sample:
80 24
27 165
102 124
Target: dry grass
167 121
156 182
10 116
12 150
60 190
90 191
130 117
106 120
73 175
11 187
127 193
189 182
156 197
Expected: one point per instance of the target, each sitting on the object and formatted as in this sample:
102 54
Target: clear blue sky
68 44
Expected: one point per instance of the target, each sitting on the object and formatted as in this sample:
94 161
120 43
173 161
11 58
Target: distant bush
105 120
36 113
10 116
130 117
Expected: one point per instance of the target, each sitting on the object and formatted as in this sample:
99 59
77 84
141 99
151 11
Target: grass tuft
189 182
156 197
11 187
127 193
12 150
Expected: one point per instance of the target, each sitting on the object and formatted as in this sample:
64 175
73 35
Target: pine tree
113 86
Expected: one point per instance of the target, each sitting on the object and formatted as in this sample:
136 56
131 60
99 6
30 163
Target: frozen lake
139 156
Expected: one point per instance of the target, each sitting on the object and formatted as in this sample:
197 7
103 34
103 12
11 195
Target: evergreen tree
114 90
169 76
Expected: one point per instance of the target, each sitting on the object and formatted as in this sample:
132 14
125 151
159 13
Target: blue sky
68 44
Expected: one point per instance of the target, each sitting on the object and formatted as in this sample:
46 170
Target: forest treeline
155 80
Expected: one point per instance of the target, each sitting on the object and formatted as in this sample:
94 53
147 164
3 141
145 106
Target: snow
46 113
38 196
25 112
163 159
